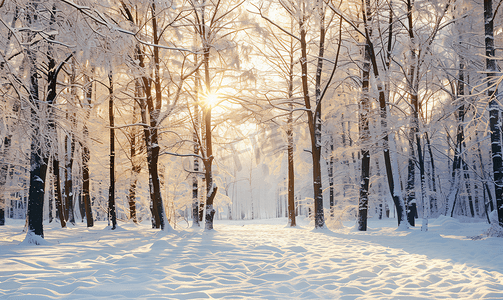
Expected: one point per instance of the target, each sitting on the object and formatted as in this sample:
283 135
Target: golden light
212 99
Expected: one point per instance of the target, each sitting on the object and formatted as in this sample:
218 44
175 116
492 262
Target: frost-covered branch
273 23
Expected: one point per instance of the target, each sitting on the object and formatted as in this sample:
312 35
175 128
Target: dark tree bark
211 188
313 125
150 110
85 159
36 193
383 95
195 177
460 139
414 122
135 163
396 195
319 218
494 109
57 192
68 196
39 157
201 199
291 175
154 113
38 165
4 167
433 196
204 30
196 214
364 112
51 98
289 133
111 193
331 180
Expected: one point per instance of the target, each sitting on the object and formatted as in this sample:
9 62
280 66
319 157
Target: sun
212 99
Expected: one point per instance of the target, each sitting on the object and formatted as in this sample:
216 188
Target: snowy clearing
259 259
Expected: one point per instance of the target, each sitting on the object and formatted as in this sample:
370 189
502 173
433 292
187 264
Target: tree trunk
38 165
154 137
433 196
319 218
4 167
413 86
319 221
383 95
195 139
363 122
111 191
57 191
211 187
364 112
395 192
331 180
85 159
289 133
151 141
135 164
494 109
291 178
69 198
36 193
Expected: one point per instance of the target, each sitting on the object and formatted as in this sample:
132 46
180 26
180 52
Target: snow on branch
128 125
86 10
273 23
340 14
159 46
181 155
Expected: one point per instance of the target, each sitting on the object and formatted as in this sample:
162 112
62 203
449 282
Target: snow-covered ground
259 259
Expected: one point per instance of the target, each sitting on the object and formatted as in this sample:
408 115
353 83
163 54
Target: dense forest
179 111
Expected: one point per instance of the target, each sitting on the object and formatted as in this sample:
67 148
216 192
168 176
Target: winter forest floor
259 259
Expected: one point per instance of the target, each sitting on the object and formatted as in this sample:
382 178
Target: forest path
237 261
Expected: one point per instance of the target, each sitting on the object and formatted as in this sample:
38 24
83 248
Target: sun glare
212 99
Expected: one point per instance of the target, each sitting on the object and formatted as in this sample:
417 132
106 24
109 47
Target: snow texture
260 259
